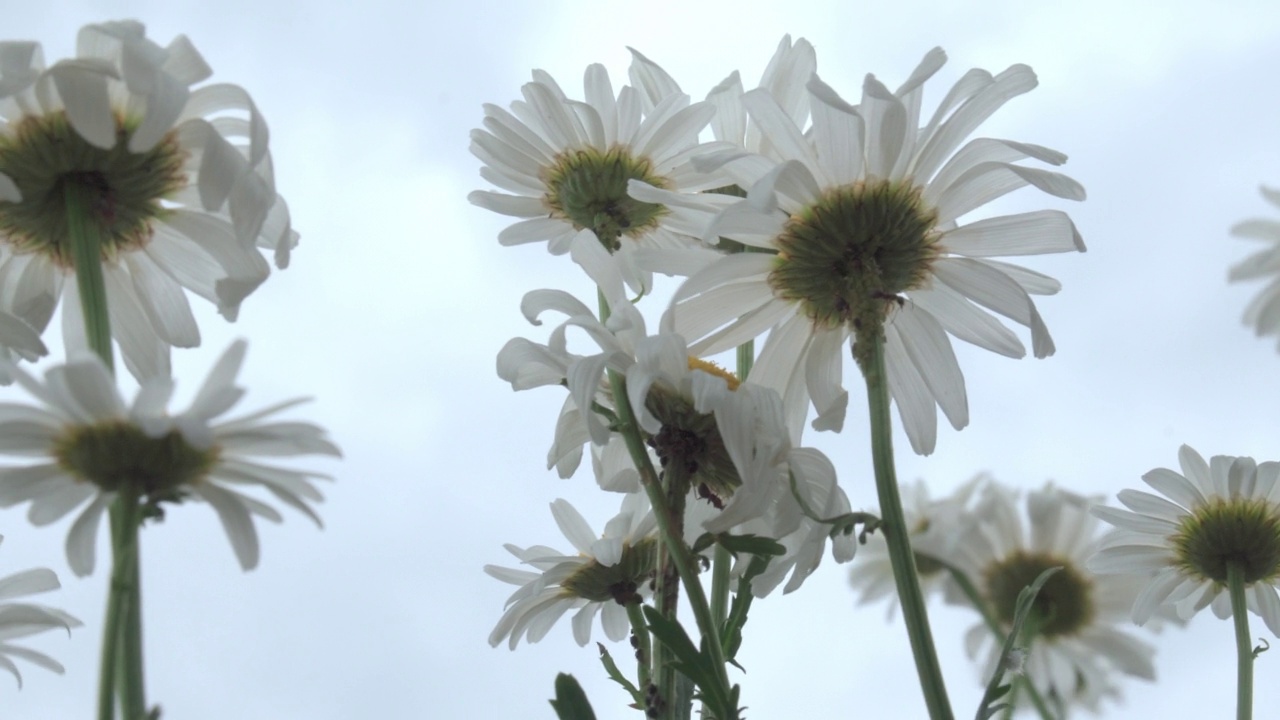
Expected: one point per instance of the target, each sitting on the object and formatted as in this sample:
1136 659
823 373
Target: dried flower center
45 155
1224 531
115 455
621 582
588 187
1064 605
691 441
846 257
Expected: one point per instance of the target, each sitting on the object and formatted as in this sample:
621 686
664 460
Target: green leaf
704 541
1026 600
751 544
616 675
691 662
732 631
571 702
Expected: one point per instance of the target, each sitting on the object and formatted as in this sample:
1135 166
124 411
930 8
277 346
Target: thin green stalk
722 560
644 650
86 255
896 534
115 641
1244 644
980 604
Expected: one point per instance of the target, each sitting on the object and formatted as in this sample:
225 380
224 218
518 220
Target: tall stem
121 669
896 532
1244 644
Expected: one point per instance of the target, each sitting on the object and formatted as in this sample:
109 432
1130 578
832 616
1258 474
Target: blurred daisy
859 215
21 619
564 165
935 526
1224 511
608 573
91 447
178 182
1077 648
1263 313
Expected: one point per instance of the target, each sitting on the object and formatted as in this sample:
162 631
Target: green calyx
847 257
1224 531
1064 605
117 455
620 582
588 188
46 154
690 441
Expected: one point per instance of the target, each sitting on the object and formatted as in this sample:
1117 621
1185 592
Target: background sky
399 298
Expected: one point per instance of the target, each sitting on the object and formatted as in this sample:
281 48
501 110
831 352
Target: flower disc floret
45 155
118 455
1222 532
588 188
846 257
596 582
1063 606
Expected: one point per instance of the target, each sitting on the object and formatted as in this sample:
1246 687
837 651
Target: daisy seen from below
563 166
174 181
1076 647
90 447
935 524
609 573
720 441
22 619
859 217
1263 313
1215 519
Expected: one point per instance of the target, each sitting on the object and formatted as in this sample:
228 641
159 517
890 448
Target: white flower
91 447
564 166
179 181
726 440
860 217
1263 313
609 572
1078 647
20 619
935 525
1224 511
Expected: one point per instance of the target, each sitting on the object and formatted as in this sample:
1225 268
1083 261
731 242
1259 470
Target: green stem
1244 644
980 604
896 533
86 255
644 650
722 560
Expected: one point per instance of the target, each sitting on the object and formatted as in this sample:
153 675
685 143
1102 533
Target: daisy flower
563 165
1077 648
608 572
1223 512
1264 312
178 182
91 447
20 619
859 217
725 441
934 524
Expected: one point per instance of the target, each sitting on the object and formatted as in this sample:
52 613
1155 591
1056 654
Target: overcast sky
399 297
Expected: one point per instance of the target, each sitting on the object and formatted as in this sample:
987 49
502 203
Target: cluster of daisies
818 227
169 178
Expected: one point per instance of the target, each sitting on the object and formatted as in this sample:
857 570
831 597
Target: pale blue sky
399 298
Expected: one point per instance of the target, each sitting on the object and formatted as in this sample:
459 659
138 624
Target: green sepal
616 675
1026 599
571 702
751 544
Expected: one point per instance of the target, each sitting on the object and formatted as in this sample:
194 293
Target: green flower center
116 455
1242 531
45 155
690 441
1064 605
588 188
846 257
620 582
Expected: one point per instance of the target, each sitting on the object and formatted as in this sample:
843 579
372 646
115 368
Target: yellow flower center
1223 531
588 188
116 455
1064 605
